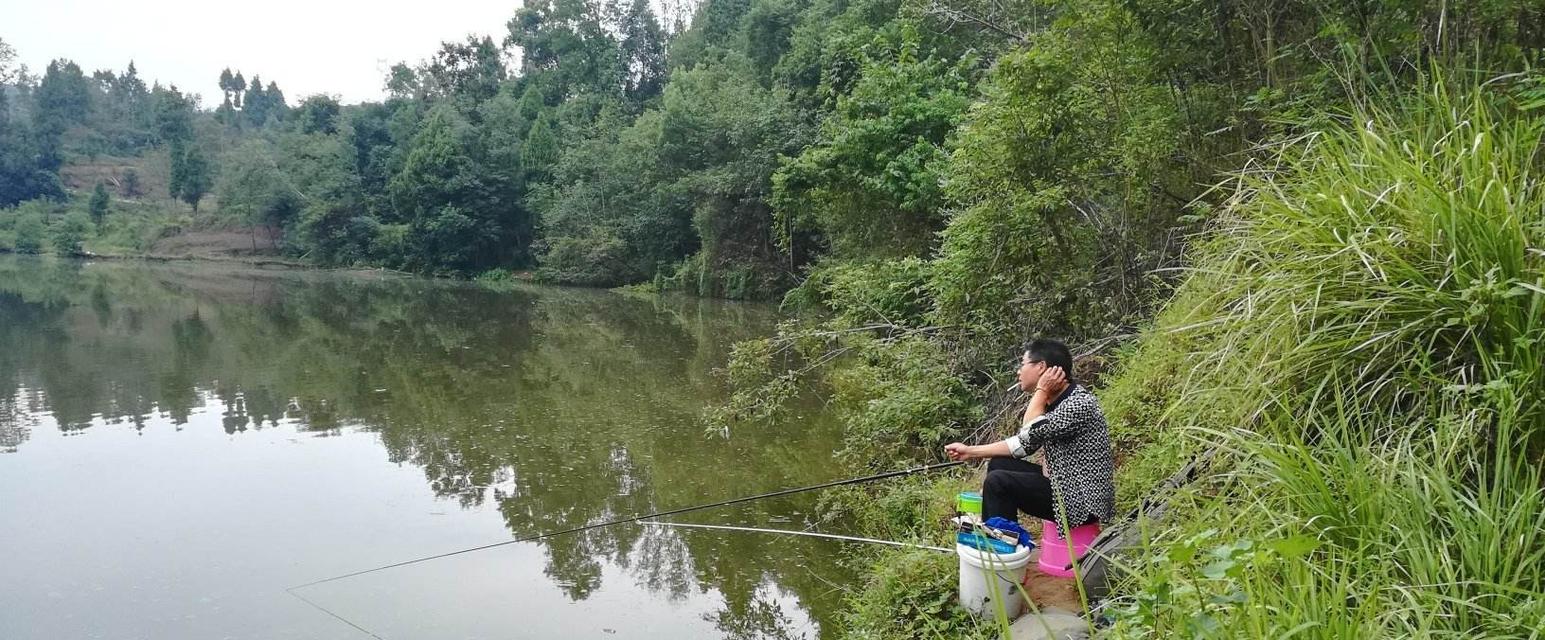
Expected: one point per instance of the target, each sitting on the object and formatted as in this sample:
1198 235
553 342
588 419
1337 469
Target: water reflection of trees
562 408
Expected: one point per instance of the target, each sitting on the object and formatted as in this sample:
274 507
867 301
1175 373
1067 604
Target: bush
30 231
912 595
70 232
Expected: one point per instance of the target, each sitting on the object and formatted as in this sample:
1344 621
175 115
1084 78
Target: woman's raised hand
1053 380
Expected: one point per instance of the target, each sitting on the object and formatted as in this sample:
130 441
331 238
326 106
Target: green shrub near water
29 233
1370 365
70 232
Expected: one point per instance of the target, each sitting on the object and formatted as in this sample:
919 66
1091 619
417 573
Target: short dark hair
1053 353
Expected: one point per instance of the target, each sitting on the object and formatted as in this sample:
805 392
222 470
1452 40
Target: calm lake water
180 443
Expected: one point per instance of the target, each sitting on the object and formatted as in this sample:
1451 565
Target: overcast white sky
338 47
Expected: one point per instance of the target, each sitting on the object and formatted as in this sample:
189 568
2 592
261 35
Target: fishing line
636 518
793 532
342 619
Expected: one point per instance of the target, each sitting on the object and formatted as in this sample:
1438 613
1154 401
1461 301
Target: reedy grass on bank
1369 360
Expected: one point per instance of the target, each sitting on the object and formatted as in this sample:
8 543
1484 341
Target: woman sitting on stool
1065 420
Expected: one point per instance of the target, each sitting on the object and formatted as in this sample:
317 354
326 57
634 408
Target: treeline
724 158
1029 146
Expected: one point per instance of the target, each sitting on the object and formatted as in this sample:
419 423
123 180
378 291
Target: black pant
1013 485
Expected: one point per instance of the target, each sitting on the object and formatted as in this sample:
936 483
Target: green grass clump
1368 360
913 594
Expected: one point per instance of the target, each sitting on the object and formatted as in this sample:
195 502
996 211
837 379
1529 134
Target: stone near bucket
1050 624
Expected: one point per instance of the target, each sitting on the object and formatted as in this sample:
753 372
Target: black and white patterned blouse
1078 454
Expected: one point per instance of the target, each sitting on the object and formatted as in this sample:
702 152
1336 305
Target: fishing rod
791 532
640 517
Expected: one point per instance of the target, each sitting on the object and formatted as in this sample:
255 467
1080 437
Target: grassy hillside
1361 340
141 220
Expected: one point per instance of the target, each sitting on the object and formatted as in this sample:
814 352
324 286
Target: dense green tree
277 108
642 52
8 71
402 83
460 216
29 162
342 211
467 73
98 206
238 88
541 150
1072 174
716 27
29 159
121 119
375 151
253 187
261 104
568 47
173 116
872 184
63 98
608 216
721 134
226 113
227 108
254 103
317 114
504 128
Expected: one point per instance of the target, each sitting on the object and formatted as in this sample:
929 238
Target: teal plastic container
969 502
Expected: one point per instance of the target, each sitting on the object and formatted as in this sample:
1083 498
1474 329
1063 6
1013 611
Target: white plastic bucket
979 569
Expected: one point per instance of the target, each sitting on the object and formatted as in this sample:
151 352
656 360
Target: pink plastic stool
1054 550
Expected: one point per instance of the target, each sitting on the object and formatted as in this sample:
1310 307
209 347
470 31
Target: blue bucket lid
983 543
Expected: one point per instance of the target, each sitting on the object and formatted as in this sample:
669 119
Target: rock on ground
1050 624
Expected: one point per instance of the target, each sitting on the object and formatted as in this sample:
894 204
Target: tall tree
126 117
460 218
62 99
192 175
29 167
871 185
130 188
254 103
317 114
402 83
173 115
253 187
226 112
567 45
99 204
722 135
7 59
643 52
468 73
541 150
277 107
238 87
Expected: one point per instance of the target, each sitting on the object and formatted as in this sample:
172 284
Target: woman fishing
1065 421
